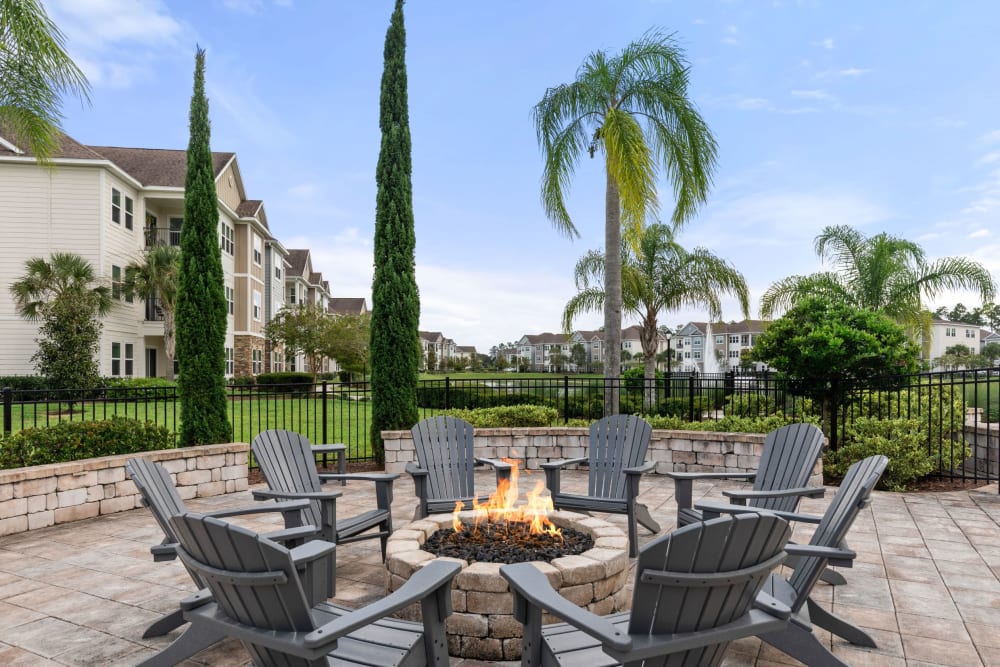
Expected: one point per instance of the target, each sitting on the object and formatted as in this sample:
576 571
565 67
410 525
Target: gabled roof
745 326
348 306
248 208
432 336
546 338
316 278
162 167
467 349
589 335
68 147
297 261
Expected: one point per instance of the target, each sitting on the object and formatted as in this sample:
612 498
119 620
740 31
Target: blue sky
880 115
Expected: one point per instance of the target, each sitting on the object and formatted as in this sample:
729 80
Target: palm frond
630 163
588 300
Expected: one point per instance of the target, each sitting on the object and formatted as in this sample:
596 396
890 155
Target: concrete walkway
926 583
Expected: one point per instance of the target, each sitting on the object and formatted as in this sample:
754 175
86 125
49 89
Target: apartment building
444 350
945 334
727 342
347 306
305 286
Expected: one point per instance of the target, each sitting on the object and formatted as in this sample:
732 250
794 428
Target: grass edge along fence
339 412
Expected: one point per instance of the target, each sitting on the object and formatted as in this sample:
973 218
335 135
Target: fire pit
584 558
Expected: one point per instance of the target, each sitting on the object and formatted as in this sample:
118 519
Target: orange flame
501 509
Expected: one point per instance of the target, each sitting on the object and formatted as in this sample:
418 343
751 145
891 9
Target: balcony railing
154 310
158 236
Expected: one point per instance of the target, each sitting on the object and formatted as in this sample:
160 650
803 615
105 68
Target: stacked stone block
40 496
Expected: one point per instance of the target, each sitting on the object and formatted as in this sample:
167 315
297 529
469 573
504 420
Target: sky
879 115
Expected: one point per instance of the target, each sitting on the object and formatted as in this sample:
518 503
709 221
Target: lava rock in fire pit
495 543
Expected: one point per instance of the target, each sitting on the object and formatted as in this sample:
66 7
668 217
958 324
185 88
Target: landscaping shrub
243 381
137 388
750 405
680 406
939 409
509 416
992 415
902 440
290 382
463 398
729 424
71 441
24 382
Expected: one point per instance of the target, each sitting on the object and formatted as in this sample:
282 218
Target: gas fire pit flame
501 510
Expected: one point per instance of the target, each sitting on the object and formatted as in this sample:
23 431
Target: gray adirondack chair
260 600
789 456
160 495
444 473
289 467
616 460
694 592
826 546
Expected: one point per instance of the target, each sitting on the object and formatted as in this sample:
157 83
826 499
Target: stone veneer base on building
482 625
40 496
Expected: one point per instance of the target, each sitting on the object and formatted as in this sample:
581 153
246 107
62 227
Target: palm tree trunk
648 336
612 295
168 340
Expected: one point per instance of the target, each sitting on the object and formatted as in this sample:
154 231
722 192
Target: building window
231 299
687 355
291 294
229 361
745 339
734 354
277 272
177 367
116 359
256 306
734 340
129 217
226 239
116 205
949 331
719 340
256 250
116 282
696 342
257 362
697 354
175 230
129 362
969 333
290 363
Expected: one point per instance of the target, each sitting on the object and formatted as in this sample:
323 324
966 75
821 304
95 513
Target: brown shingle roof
297 261
542 338
348 306
68 147
156 166
315 278
248 208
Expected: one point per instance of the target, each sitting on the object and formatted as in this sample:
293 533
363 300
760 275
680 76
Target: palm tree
882 273
657 275
156 276
35 72
633 109
63 276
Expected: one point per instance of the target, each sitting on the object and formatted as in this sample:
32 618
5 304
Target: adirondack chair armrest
312 551
772 605
648 466
836 556
415 470
562 463
677 476
653 646
363 476
497 464
202 597
710 510
430 580
534 588
289 506
292 534
264 494
750 494
164 552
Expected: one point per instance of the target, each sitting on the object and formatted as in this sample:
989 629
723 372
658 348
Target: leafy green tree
304 329
35 73
432 360
201 297
882 273
822 345
960 356
991 352
557 360
61 294
633 109
578 357
347 339
657 275
156 276
395 346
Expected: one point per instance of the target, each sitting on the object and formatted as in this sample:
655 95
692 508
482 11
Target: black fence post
323 412
8 410
565 399
834 414
691 398
447 392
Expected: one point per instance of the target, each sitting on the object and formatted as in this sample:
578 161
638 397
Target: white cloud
699 22
990 137
989 158
853 71
988 199
825 43
732 37
812 94
243 6
304 190
753 103
979 233
247 110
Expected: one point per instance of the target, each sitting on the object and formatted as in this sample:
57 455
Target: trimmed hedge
730 424
461 398
293 383
71 441
512 416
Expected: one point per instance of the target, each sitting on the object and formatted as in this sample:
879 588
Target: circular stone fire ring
482 624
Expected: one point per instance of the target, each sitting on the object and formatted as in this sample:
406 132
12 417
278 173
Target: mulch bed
492 543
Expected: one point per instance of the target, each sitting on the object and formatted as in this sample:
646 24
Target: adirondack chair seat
259 600
288 463
444 473
615 463
694 592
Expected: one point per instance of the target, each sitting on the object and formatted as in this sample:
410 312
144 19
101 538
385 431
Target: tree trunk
649 337
168 340
612 295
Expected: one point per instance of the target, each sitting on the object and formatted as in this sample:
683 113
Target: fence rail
953 408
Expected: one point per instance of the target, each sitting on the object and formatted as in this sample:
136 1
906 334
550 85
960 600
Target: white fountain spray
709 363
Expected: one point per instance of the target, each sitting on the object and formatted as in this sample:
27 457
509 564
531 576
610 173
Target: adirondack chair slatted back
789 456
734 555
446 450
854 494
252 579
616 442
286 460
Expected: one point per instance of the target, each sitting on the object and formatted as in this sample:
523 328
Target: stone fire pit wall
482 624
679 451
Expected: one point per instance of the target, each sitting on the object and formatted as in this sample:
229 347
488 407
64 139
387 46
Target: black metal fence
954 409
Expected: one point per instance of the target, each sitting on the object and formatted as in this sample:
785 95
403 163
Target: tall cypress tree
395 348
201 298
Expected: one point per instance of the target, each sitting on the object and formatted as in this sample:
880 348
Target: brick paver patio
926 582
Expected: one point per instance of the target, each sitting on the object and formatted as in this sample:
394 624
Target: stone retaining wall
678 451
40 496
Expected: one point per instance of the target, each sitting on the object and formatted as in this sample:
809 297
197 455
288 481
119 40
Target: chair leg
828 575
838 626
643 516
633 534
158 628
802 645
195 639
